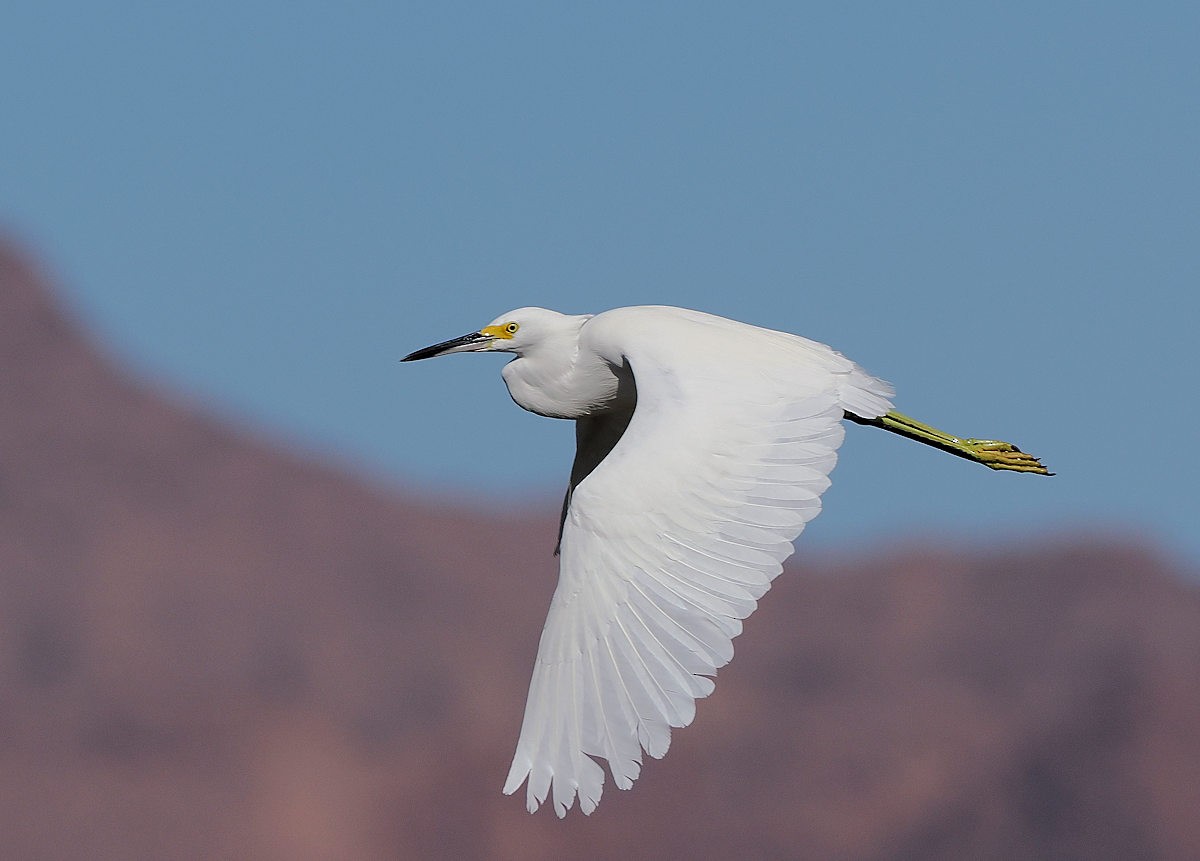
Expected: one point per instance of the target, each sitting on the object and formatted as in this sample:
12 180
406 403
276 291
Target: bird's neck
554 379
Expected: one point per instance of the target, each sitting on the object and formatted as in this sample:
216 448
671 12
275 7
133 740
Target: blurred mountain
212 647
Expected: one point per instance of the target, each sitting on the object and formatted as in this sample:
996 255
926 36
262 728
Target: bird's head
514 332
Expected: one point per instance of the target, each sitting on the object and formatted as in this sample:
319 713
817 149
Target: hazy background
268 204
215 645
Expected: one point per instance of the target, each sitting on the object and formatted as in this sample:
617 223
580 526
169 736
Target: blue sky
996 207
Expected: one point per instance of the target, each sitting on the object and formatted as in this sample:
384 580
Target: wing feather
672 537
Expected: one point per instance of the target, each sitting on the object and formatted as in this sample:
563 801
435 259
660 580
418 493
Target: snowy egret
702 448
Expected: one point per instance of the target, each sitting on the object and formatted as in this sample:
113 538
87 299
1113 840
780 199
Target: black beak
454 345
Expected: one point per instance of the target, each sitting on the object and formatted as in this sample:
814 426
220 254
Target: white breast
566 385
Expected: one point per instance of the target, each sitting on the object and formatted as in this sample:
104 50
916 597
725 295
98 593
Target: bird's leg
990 452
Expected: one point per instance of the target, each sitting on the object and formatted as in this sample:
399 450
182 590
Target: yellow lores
703 448
504 331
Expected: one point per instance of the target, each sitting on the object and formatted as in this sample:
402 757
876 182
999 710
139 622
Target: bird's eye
511 328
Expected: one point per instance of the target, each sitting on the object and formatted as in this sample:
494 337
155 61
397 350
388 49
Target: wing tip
562 799
517 775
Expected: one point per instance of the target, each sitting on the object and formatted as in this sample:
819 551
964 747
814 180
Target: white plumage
703 448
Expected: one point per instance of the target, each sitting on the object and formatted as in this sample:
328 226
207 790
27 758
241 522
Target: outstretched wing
671 540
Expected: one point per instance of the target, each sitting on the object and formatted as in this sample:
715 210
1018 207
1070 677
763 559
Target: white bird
703 447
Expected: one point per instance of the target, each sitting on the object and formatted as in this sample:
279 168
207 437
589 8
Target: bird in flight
703 446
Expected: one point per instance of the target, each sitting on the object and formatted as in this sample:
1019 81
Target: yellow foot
995 454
